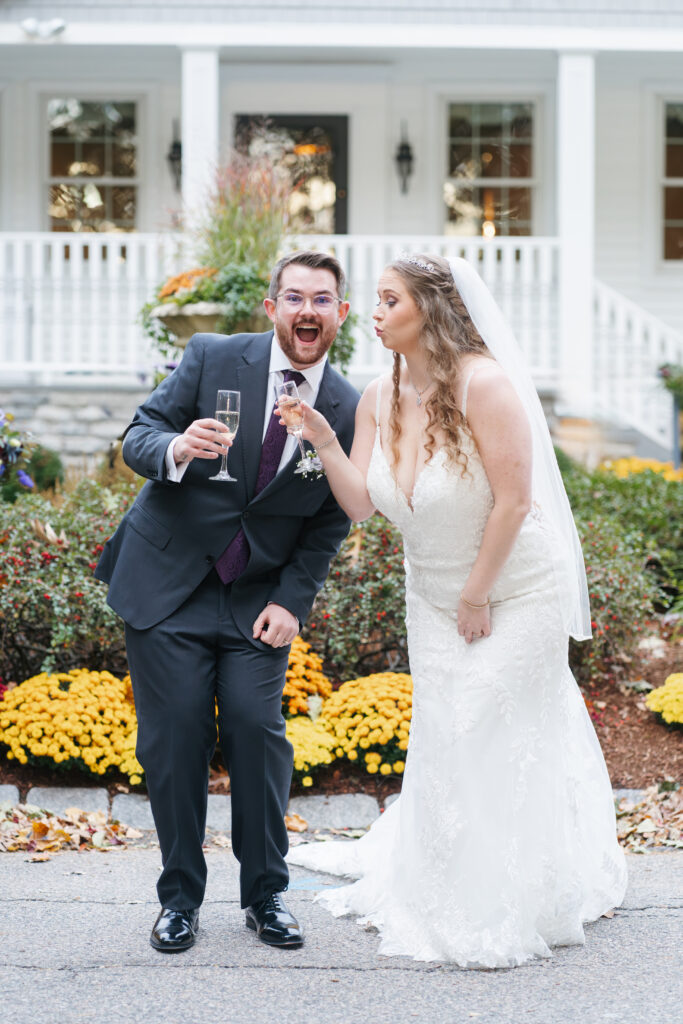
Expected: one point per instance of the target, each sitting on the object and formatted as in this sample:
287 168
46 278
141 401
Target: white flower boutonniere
311 466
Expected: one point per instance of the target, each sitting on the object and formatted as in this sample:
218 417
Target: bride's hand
316 428
473 623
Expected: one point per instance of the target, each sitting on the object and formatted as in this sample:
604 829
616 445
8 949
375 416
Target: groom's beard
305 353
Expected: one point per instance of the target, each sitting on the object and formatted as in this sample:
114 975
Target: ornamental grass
667 700
304 680
369 719
71 719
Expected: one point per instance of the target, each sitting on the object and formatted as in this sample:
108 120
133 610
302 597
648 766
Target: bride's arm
346 476
501 433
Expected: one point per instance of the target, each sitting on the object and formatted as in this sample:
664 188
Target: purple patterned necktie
233 561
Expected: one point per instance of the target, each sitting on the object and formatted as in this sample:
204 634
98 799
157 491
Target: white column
199 111
576 226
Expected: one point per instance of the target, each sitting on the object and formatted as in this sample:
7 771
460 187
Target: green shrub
622 596
357 622
53 612
645 505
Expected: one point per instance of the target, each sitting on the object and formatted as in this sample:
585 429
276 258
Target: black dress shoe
273 923
175 930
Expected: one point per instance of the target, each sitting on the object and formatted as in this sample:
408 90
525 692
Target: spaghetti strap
466 388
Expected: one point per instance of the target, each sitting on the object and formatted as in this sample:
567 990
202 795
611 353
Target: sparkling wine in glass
227 413
289 404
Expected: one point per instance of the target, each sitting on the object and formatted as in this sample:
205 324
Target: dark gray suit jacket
174 533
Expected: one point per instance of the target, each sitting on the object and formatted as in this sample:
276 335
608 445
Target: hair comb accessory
405 257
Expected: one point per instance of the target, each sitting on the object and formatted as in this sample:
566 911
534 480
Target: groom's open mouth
307 333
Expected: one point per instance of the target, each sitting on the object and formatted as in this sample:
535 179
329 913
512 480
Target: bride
502 843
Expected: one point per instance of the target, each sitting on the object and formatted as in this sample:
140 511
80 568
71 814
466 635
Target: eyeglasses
295 301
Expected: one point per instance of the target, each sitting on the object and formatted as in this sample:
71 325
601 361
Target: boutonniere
310 466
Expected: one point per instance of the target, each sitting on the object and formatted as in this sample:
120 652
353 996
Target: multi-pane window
489 187
673 181
93 165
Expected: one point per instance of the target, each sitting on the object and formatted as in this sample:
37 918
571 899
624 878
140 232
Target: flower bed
73 719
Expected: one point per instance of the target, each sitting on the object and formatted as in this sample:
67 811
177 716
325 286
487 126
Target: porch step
591 442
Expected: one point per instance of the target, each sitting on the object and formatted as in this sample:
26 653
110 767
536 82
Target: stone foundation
79 422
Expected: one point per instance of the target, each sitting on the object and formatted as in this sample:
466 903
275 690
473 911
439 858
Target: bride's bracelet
318 447
477 606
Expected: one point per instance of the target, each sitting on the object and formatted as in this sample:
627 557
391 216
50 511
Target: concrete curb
346 810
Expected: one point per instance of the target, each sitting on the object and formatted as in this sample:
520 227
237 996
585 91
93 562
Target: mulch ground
639 750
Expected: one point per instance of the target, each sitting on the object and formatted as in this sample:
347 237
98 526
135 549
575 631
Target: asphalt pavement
74 948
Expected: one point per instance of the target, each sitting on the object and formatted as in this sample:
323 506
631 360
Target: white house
543 140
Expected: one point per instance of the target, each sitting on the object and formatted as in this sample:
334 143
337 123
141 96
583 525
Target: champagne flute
289 404
227 413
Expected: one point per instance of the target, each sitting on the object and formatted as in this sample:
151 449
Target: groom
214 580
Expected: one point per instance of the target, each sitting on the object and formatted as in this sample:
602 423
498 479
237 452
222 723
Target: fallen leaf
608 913
39 858
295 823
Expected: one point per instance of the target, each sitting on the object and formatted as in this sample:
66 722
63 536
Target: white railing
522 273
69 303
629 347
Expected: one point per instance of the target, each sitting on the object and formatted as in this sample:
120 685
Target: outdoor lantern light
404 159
175 158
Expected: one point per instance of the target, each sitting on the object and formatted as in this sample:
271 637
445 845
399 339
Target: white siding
628 217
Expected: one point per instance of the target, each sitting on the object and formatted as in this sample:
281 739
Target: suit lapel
252 381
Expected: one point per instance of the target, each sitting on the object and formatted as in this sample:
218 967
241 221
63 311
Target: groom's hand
276 626
203 439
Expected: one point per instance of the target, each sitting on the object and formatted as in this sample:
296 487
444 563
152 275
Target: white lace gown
502 843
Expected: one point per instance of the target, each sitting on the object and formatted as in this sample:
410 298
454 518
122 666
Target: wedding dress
502 843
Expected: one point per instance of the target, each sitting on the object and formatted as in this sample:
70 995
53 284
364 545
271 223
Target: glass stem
301 444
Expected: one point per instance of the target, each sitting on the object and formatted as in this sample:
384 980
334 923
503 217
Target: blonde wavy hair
447 334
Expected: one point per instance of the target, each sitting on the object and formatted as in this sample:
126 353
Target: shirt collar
279 363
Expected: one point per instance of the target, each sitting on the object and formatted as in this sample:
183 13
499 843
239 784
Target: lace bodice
443 525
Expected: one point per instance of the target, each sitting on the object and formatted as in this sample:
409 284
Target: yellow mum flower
667 700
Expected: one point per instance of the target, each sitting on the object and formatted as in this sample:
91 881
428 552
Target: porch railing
629 346
69 303
522 273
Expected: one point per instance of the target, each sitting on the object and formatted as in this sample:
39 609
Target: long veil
548 491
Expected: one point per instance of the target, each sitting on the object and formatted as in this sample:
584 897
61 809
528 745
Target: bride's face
398 321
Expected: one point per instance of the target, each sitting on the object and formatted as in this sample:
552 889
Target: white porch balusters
576 222
199 110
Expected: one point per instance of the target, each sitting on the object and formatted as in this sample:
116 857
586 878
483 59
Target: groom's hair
308 258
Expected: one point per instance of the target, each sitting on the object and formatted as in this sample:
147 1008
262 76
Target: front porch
69 314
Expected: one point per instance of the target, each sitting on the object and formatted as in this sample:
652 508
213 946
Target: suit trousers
181 670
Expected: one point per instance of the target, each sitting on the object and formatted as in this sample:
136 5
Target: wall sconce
404 159
174 158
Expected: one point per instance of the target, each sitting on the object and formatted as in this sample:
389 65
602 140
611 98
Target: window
673 181
93 165
314 152
489 187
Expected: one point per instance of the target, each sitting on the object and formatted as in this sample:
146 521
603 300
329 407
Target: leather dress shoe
175 930
273 923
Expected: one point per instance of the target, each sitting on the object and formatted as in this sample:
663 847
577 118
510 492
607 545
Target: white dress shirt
308 390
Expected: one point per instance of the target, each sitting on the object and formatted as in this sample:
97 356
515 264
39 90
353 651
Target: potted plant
234 243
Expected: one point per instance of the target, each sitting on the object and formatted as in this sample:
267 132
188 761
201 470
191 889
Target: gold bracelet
318 447
470 605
